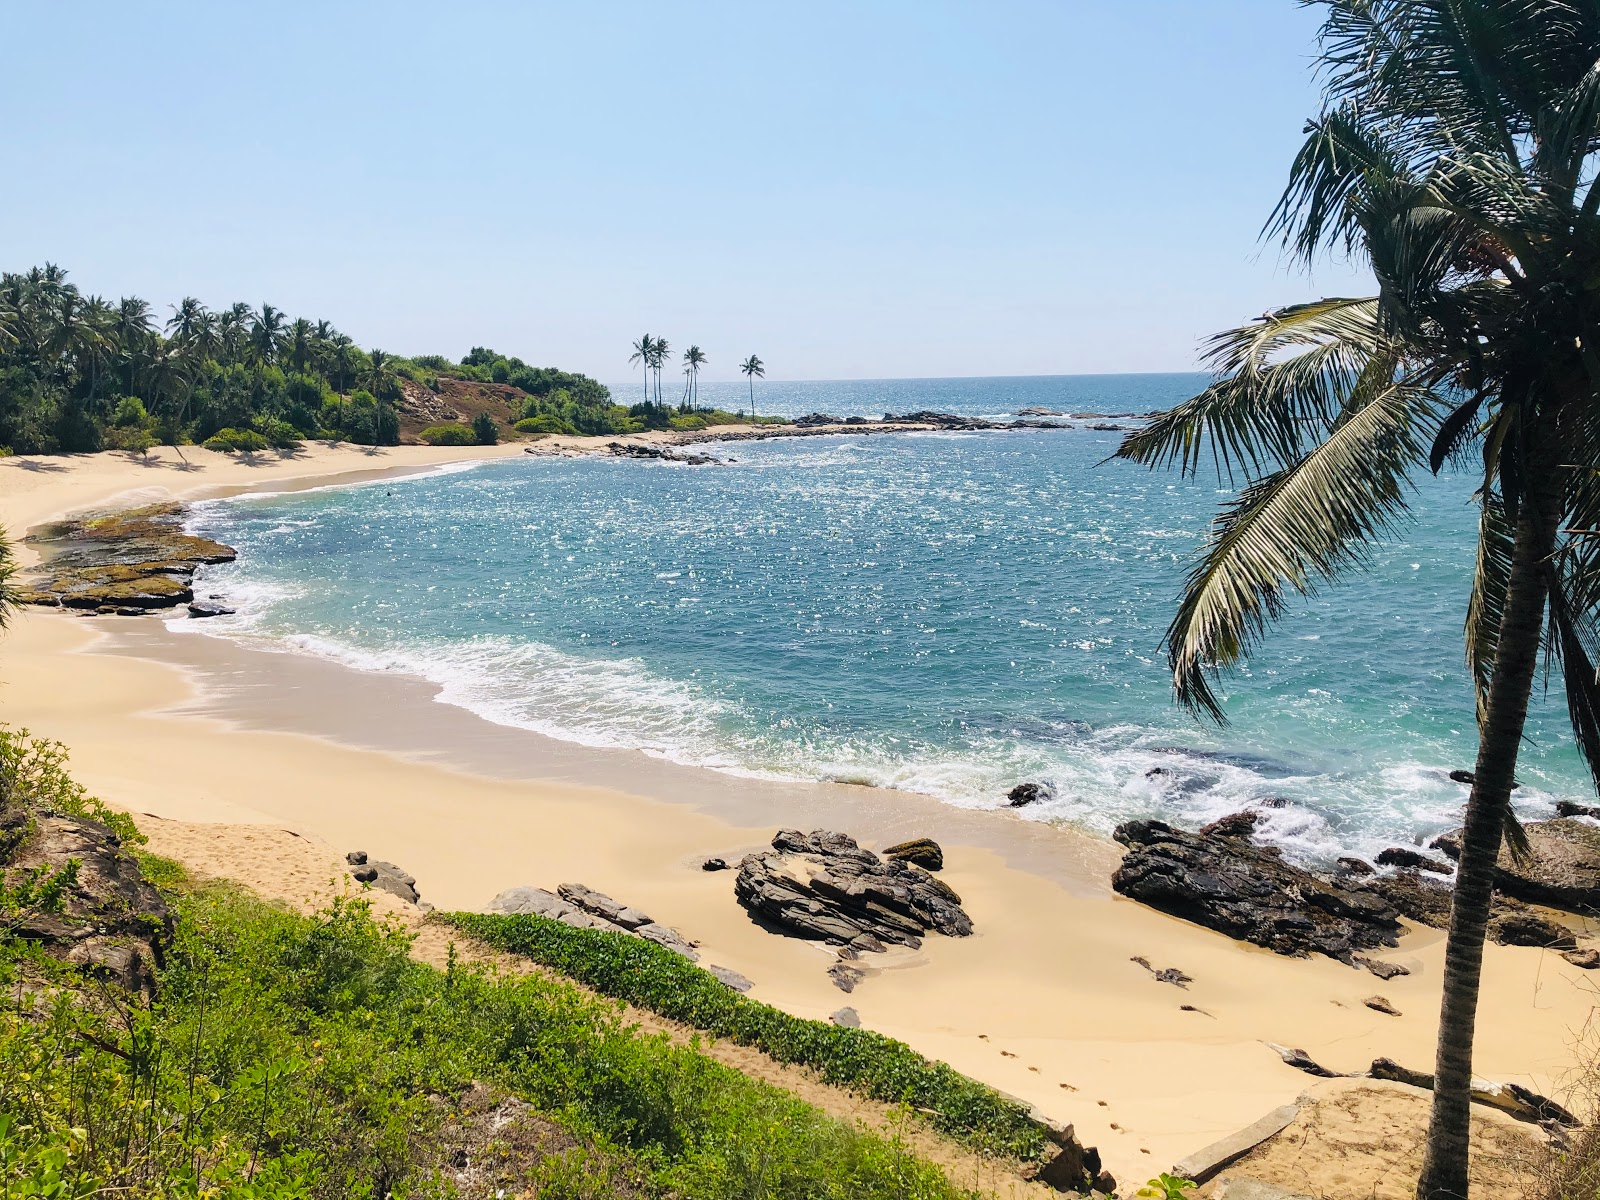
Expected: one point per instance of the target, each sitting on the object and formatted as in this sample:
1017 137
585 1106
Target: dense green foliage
452 434
484 431
657 979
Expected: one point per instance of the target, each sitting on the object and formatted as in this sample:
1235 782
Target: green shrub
129 411
654 978
454 434
241 440
543 423
280 435
33 775
484 431
132 439
687 422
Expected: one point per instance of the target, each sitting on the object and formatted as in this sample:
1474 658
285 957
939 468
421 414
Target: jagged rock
1511 1098
1074 1167
356 858
1563 870
1587 958
1249 892
663 935
1400 856
206 608
1379 1004
664 453
1301 1061
1383 970
1234 825
1355 867
396 882
110 921
714 864
1039 410
825 887
849 1018
922 852
1523 927
1566 808
1466 777
1029 793
528 901
601 905
732 978
1422 900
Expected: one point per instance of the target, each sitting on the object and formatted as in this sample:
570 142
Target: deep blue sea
947 613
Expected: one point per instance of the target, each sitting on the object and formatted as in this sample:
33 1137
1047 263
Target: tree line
650 354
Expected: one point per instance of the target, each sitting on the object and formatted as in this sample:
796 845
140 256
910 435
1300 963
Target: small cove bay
950 614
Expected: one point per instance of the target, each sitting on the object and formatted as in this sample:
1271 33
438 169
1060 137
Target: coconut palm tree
1456 155
644 353
693 359
266 334
752 367
658 360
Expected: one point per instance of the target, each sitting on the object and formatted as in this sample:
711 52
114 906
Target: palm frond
1293 529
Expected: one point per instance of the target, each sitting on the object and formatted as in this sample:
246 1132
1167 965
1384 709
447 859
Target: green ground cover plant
654 978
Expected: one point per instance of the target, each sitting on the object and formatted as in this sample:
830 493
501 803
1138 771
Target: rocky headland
122 563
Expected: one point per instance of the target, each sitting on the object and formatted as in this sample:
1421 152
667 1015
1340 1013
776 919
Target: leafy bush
129 411
134 440
454 434
484 431
652 977
242 440
280 435
687 422
543 423
33 776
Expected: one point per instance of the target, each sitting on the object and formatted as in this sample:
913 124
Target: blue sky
867 189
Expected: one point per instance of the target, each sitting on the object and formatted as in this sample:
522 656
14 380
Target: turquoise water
948 613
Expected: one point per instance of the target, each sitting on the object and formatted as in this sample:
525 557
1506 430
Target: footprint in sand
1068 1086
1035 1070
1007 1054
1118 1128
1102 1104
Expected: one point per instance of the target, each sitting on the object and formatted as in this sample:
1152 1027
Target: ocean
951 614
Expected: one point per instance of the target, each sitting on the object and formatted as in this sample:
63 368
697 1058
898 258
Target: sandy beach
1043 1002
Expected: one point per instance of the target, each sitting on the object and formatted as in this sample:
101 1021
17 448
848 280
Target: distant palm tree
658 360
379 379
753 367
644 353
693 359
265 334
1455 155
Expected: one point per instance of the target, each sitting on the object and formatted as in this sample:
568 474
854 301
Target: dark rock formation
845 976
1379 1004
108 920
1165 974
664 453
1466 777
1566 808
1234 825
714 864
1383 970
1039 410
126 562
209 608
1029 793
825 887
1355 867
1400 856
919 852
1588 959
1563 871
1520 926
1249 892
1425 901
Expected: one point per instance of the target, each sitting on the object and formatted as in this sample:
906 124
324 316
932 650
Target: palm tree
693 359
379 378
659 360
1455 154
266 332
752 367
644 352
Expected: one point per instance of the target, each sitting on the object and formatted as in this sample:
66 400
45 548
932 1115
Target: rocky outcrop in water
649 450
127 563
825 887
1227 883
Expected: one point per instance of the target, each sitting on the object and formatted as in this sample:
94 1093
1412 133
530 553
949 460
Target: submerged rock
1566 808
1401 856
1029 793
825 887
1249 892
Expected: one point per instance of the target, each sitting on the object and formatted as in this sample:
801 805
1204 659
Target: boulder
849 1018
1566 808
1562 872
209 608
1518 926
1249 892
1425 901
714 864
922 852
1029 793
825 887
1355 867
1400 856
110 921
1234 825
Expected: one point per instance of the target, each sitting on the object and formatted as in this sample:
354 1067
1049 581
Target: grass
654 978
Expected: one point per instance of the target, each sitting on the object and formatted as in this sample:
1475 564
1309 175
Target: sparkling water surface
947 613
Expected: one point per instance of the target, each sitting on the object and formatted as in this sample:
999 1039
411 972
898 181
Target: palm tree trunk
1444 1172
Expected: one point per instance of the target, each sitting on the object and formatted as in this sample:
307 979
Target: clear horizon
889 191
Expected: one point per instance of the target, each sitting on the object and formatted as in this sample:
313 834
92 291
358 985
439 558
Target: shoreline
1043 1002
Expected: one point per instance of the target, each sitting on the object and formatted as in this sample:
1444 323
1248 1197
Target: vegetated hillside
168 1039
458 401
